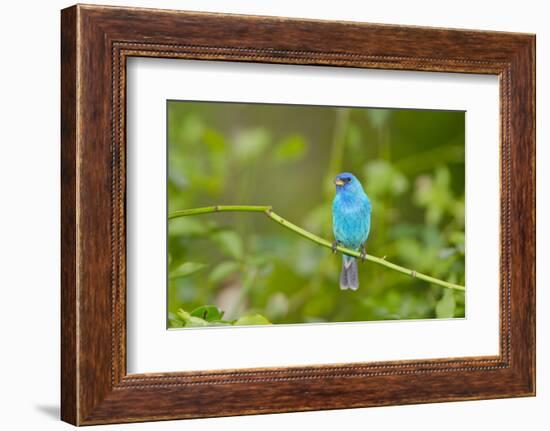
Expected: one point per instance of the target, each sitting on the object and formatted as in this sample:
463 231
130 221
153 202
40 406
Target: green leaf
208 313
291 149
174 321
230 243
254 319
223 270
195 322
186 269
191 321
445 307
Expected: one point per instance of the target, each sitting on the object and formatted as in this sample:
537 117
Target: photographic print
292 211
263 198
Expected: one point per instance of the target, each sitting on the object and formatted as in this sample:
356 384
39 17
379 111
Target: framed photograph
265 215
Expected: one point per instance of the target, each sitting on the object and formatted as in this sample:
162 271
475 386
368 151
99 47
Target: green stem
312 237
216 208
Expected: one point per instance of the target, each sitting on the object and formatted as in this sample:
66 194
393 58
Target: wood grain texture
69 397
96 41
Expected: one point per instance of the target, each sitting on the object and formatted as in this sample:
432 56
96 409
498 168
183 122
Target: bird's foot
363 254
335 245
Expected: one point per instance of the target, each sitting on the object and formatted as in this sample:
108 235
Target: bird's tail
349 279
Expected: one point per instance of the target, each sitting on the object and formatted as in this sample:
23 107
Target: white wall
29 228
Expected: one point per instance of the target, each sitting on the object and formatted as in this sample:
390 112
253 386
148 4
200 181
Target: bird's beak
338 182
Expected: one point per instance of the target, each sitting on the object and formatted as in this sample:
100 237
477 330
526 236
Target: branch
267 210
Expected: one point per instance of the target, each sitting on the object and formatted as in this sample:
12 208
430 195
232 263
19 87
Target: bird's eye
347 179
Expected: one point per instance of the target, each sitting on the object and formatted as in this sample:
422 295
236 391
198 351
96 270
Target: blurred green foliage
210 315
410 162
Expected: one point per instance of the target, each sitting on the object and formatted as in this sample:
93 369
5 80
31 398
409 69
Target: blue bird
351 210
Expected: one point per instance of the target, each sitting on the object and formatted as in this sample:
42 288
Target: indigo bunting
351 210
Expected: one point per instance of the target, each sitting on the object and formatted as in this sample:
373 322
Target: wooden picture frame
96 41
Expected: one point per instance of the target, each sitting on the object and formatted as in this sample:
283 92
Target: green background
410 162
